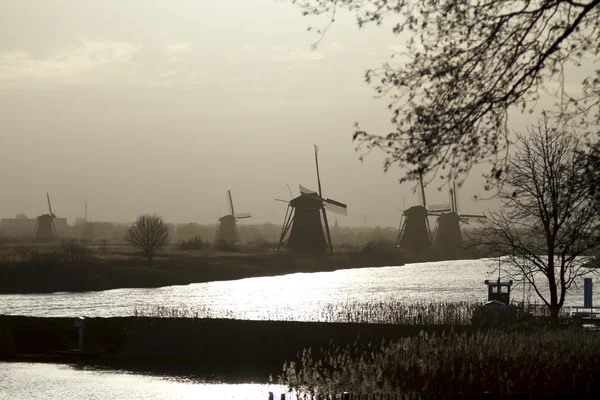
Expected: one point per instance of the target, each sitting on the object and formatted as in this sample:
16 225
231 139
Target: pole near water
80 324
587 292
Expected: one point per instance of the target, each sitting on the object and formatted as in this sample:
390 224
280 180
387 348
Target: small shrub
194 243
71 251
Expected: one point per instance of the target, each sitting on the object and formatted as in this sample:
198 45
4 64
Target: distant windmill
227 231
447 233
305 228
414 233
44 230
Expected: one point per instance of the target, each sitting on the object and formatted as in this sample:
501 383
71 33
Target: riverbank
334 357
47 269
235 349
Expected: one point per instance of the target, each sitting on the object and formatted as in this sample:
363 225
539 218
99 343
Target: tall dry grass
383 312
497 361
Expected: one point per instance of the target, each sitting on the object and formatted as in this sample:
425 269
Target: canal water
300 297
36 381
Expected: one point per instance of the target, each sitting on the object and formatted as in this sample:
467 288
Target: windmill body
414 234
305 229
448 237
447 234
227 231
44 230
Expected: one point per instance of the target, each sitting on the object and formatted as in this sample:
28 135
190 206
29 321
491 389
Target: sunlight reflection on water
20 381
301 296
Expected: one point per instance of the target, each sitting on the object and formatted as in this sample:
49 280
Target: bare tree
548 219
149 234
465 63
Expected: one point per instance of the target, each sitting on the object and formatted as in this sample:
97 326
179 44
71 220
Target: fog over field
163 108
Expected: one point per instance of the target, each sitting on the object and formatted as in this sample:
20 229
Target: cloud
73 63
300 56
175 51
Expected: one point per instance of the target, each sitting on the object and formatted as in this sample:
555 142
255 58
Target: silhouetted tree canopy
548 221
149 234
464 65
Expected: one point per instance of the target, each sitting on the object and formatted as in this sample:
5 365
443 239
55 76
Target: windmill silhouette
305 228
227 231
44 230
447 235
414 233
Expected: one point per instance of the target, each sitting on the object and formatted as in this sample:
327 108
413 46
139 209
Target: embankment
234 349
48 275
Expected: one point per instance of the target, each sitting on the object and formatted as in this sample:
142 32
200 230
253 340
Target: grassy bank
231 348
397 347
54 268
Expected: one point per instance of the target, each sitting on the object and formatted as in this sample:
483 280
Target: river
32 381
301 296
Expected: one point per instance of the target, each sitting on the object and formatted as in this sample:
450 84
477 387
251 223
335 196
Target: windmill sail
49 205
230 203
335 206
440 207
455 193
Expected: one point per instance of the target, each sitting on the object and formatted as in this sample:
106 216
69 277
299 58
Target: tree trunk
554 306
149 262
554 310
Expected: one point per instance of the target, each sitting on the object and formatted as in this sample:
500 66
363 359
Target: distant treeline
249 233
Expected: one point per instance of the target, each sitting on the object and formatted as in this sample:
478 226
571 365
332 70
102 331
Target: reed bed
401 313
382 312
498 361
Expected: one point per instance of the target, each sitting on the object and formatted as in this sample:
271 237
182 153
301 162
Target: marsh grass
383 312
402 313
500 361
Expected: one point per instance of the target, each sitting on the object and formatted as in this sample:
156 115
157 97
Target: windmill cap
416 211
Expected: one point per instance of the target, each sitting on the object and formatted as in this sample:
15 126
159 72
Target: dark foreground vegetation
71 266
234 349
414 348
474 361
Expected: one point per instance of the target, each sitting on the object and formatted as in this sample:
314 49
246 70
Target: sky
163 106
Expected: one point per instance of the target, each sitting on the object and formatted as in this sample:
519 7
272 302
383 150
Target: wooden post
80 323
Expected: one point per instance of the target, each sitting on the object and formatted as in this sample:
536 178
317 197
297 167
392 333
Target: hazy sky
161 106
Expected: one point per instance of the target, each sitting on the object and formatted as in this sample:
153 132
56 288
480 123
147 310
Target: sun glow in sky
162 106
